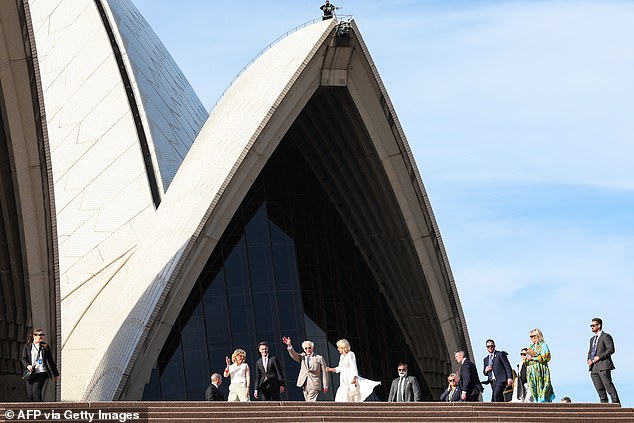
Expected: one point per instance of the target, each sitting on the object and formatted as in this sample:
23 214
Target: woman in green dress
538 374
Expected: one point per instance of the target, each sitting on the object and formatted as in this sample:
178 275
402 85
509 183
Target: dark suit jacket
214 394
501 367
468 380
605 349
412 390
456 397
47 358
273 374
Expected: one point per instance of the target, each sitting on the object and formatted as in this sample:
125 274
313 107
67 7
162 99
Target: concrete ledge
167 412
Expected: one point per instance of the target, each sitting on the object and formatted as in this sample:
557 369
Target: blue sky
520 116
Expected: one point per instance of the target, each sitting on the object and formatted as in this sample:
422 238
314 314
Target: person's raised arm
226 372
289 347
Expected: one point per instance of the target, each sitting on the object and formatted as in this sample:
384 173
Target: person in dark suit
452 393
38 359
404 388
468 381
213 393
600 362
498 371
269 379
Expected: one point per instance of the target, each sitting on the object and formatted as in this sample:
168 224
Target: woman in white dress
352 387
240 376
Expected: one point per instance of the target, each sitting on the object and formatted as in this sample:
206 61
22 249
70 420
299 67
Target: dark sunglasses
39 334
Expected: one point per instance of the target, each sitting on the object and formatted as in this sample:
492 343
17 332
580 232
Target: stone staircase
190 411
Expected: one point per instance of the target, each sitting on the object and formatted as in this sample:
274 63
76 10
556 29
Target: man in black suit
498 371
269 379
600 362
213 393
467 375
404 388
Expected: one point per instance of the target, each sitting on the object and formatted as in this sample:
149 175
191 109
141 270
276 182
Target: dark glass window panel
217 354
173 378
194 347
285 266
256 230
239 308
236 269
152 390
261 269
216 313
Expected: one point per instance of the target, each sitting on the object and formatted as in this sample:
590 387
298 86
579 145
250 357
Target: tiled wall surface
102 195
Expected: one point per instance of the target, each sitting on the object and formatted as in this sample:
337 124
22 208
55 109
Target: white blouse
238 373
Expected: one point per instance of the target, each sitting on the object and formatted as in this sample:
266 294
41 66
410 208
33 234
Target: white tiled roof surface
102 194
115 321
171 109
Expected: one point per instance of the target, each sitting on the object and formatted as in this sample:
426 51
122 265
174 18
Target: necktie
265 361
400 394
594 346
491 375
308 361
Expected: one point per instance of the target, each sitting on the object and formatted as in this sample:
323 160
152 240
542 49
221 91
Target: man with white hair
467 375
213 393
312 376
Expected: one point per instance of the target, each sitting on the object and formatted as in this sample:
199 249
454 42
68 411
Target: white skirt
357 393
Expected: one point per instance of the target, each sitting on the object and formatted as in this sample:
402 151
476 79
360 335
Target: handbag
27 374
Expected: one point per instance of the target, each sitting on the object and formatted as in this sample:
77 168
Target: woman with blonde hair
240 376
352 387
453 392
537 372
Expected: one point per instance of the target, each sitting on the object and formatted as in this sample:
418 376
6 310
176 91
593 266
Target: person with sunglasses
538 373
498 371
404 388
600 363
453 392
521 391
312 377
38 361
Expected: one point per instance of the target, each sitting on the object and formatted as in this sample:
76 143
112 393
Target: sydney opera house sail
169 237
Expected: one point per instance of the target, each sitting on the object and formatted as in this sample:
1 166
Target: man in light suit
269 379
468 380
312 376
404 388
498 371
600 362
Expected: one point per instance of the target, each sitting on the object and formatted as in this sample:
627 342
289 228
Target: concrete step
193 411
